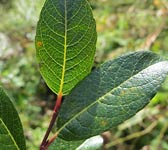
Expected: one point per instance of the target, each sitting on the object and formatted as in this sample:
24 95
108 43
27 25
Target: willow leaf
11 132
111 94
65 43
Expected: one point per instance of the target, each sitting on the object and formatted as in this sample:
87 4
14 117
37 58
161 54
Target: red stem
45 142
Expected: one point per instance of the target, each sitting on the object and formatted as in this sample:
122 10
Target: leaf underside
93 143
65 43
11 132
111 94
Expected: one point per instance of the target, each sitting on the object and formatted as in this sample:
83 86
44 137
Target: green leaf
111 94
65 43
93 143
6 139
60 144
11 132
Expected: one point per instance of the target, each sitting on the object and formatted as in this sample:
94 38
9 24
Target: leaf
65 43
11 132
93 143
6 139
111 94
60 144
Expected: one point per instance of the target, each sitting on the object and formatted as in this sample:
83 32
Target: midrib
9 133
100 98
65 51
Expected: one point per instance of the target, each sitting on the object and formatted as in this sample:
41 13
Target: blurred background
122 26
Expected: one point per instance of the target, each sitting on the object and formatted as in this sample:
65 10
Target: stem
160 136
45 142
132 136
51 140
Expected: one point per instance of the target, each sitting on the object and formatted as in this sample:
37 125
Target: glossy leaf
111 94
65 43
11 132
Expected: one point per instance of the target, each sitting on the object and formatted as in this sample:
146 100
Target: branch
45 142
132 136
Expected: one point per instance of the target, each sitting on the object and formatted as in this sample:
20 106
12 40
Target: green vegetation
122 26
65 43
11 132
